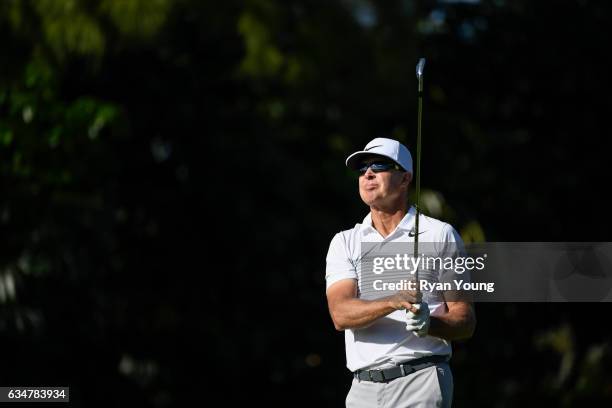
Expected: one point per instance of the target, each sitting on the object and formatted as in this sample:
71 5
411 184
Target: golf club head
420 67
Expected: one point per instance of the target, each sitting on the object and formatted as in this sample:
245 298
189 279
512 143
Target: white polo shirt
386 342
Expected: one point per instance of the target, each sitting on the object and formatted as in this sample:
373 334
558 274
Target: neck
386 220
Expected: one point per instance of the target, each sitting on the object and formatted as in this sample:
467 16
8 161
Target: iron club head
420 67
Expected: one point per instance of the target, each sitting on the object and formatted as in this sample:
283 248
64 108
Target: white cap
381 146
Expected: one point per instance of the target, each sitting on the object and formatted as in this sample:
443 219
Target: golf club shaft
419 72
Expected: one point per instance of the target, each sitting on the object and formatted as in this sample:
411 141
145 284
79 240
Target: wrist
390 304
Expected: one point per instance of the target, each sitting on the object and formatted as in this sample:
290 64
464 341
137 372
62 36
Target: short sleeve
339 265
452 247
451 244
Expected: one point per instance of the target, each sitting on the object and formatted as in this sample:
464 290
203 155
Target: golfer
397 346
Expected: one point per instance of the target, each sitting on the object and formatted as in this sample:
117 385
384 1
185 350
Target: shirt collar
406 224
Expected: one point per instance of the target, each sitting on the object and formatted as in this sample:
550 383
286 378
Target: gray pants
429 387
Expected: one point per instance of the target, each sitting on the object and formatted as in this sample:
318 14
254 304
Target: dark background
172 174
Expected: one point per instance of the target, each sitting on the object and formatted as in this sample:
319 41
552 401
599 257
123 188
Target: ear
407 178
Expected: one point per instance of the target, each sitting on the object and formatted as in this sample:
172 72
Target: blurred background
172 173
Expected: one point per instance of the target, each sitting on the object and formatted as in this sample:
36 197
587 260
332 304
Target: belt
401 370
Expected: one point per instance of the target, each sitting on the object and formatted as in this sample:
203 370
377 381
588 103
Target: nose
369 174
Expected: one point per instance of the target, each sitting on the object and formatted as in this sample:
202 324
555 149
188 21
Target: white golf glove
418 322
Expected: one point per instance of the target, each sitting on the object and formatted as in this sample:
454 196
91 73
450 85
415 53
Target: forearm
357 313
453 325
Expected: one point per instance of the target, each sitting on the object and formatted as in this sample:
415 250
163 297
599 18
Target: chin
369 201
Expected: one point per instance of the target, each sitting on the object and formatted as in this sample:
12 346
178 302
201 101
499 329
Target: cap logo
371 147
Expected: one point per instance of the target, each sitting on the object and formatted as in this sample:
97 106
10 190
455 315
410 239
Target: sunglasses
377 167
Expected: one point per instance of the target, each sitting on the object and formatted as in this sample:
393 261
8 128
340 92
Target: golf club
419 73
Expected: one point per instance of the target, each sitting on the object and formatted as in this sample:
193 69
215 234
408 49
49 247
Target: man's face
383 188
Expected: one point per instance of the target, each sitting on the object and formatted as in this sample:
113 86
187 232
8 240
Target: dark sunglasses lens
376 167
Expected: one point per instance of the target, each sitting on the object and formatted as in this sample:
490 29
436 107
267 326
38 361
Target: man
397 346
